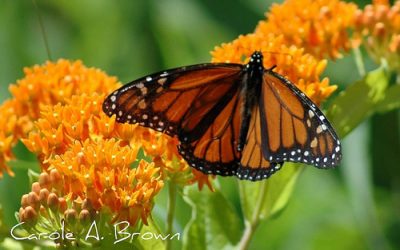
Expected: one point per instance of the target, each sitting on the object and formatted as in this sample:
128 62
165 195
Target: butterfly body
250 90
230 119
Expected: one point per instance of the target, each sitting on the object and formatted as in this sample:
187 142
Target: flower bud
33 200
63 204
30 215
43 195
70 216
53 202
36 187
45 180
24 201
85 217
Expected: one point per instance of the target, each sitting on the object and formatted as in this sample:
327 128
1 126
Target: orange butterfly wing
214 151
293 128
169 101
254 164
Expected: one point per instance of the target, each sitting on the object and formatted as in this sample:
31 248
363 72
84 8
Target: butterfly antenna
276 53
44 35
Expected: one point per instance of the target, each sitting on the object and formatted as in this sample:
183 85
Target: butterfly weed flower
97 172
378 29
91 168
48 84
8 123
320 27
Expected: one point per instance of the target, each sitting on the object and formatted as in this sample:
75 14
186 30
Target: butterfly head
256 63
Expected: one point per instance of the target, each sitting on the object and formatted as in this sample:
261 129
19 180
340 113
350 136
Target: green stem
170 212
251 225
46 44
358 58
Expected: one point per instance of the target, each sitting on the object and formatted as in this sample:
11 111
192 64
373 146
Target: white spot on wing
161 81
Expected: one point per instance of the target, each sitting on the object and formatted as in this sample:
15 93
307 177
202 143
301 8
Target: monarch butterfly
230 119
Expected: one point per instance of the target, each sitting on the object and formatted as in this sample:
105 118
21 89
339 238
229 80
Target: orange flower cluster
42 209
99 171
80 142
320 27
8 130
295 37
301 68
84 154
378 27
44 85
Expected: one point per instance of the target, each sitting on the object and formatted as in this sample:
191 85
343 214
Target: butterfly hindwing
253 163
294 129
214 152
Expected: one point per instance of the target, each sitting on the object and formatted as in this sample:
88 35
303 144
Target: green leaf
391 100
358 101
156 242
214 224
270 196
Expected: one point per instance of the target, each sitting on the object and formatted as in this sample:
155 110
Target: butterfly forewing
161 100
294 129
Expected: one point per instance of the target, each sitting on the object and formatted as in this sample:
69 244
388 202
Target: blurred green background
356 206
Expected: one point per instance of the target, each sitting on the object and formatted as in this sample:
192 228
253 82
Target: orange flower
378 28
49 84
202 179
302 69
8 124
320 27
99 171
108 188
54 83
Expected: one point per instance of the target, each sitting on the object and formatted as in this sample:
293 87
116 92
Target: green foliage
214 223
272 194
360 100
